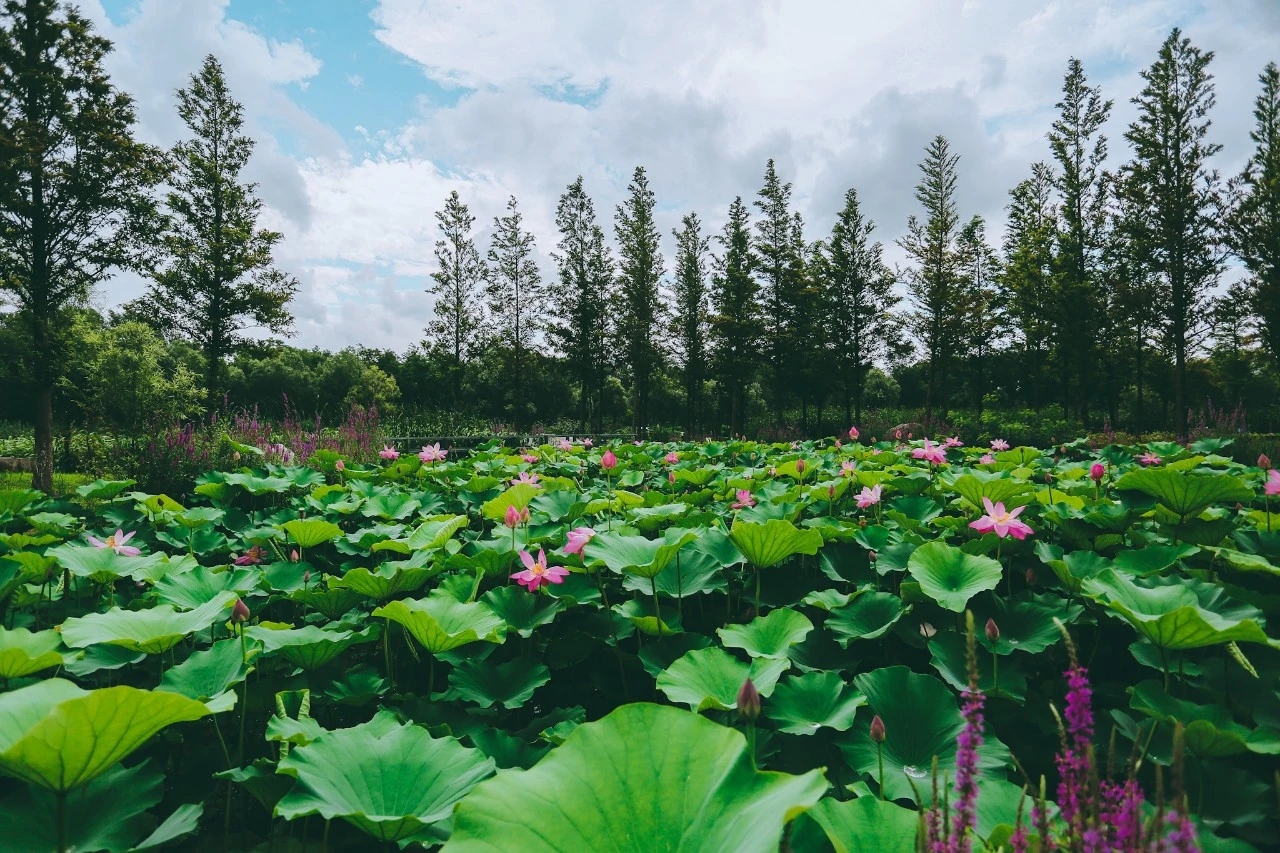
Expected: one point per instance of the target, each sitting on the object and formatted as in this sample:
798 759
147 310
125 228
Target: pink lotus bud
672 458
512 516
853 433
240 612
992 630
293 555
799 466
1264 461
748 701
831 493
306 577
340 465
608 462
871 555
877 729
524 515
1097 471
838 444
671 477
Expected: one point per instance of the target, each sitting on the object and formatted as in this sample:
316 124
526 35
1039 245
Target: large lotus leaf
57 736
189 590
860 826
637 555
433 533
391 784
1153 559
521 610
109 813
921 720
441 623
976 485
101 564
22 652
643 779
693 572
517 496
1186 494
1177 614
1026 621
209 675
255 485
1006 680
866 617
802 704
387 580
310 646
509 684
1071 569
1210 730
768 636
151 631
768 544
103 490
950 576
15 500
711 678
310 532
390 506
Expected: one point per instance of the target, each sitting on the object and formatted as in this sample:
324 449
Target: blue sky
367 113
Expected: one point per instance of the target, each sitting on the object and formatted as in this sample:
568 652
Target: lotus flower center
111 541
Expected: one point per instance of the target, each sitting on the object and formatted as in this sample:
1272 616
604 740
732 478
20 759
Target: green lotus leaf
310 532
950 660
433 533
311 646
921 720
693 572
56 523
803 704
109 813
1209 731
189 590
57 736
636 554
711 678
768 636
864 824
441 623
151 631
1152 559
974 485
391 506
768 544
517 496
387 580
650 519
510 684
697 477
522 611
13 501
661 653
1174 613
34 568
866 617
331 603
23 652
1185 494
1026 622
210 675
199 517
394 785
1074 568
101 565
103 490
256 485
643 778
950 576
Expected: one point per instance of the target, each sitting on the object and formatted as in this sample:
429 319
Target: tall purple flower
1074 760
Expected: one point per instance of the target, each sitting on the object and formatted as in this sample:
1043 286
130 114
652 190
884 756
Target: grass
63 484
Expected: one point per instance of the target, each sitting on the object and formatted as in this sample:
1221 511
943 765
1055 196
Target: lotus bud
877 729
240 612
512 516
927 631
1097 471
862 522
672 458
671 477
524 515
871 555
306 577
831 493
293 555
339 465
992 630
748 701
853 433
1264 461
838 444
235 455
1239 506
799 466
608 462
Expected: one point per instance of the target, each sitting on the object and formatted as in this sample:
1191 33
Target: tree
581 321
513 287
692 316
980 306
776 261
859 303
1255 222
75 185
456 287
736 324
1026 282
216 277
1175 197
640 269
129 384
1080 149
931 281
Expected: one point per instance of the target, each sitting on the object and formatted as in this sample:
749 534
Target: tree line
1102 302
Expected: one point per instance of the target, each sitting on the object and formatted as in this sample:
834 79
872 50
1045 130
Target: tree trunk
928 394
42 478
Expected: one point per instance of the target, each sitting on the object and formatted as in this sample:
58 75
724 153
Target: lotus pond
650 647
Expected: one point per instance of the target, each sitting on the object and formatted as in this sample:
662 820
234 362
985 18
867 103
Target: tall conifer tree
1027 280
640 269
514 290
691 317
737 327
456 285
775 252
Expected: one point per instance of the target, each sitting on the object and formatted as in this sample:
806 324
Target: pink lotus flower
1097 471
511 518
869 496
986 459
671 458
116 542
389 453
847 468
999 444
608 462
578 539
839 444
1149 458
1273 482
875 451
529 458
853 433
1003 522
954 441
566 445
340 465
586 442
932 453
433 453
744 500
526 477
638 443
252 557
537 573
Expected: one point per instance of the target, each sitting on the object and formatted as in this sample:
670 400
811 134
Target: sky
367 113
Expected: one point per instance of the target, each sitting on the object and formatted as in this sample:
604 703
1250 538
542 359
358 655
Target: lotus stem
61 810
880 759
657 609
